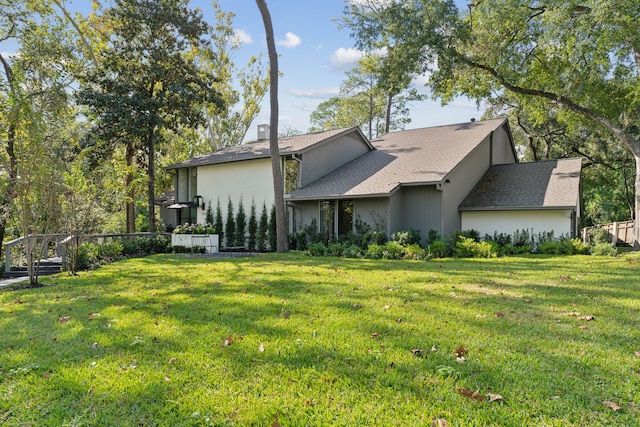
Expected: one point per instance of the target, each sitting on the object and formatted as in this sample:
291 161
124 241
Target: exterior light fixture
198 201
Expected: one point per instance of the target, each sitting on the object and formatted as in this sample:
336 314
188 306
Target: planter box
210 242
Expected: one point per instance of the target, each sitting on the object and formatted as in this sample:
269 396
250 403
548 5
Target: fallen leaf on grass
612 405
439 422
460 359
286 315
587 318
472 394
64 319
499 315
227 341
493 397
173 360
637 353
261 348
460 351
94 315
417 351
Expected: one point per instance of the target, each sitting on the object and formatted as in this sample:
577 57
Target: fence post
584 235
614 239
7 258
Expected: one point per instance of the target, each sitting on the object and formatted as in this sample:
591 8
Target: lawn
290 340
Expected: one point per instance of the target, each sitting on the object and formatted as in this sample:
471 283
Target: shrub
604 249
317 249
109 250
335 249
599 235
576 246
466 247
392 250
374 237
374 251
406 237
553 247
415 251
353 251
438 249
432 236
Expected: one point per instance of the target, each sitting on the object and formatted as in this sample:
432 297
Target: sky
313 57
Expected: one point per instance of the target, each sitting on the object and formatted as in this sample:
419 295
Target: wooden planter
210 242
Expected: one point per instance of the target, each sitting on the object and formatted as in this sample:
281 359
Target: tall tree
278 179
148 80
583 56
241 88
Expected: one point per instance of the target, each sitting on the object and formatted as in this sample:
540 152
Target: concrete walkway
8 282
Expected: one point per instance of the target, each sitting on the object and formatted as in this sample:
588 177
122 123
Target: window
291 171
327 219
345 217
187 215
187 185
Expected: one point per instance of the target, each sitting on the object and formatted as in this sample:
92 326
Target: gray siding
303 214
502 148
373 212
421 210
325 158
461 181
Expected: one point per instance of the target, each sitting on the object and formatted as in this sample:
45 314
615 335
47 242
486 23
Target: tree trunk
278 180
636 217
10 190
130 206
151 172
387 119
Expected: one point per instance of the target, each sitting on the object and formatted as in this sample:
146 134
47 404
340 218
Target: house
436 178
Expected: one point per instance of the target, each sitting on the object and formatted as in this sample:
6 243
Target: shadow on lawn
249 299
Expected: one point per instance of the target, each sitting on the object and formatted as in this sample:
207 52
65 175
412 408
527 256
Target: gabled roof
552 184
260 149
419 156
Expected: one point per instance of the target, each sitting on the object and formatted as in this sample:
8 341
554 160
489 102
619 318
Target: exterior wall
249 180
502 150
461 181
396 207
327 157
488 222
421 210
373 212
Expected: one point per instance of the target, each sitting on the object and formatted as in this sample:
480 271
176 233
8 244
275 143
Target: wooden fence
620 233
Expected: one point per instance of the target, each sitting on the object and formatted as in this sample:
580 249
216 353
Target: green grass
325 342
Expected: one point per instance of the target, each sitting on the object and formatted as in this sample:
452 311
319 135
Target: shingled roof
539 185
419 156
260 149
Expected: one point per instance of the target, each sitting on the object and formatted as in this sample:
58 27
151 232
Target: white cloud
291 40
242 37
315 93
345 59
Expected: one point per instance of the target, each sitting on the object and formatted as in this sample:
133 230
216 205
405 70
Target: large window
186 185
345 217
336 214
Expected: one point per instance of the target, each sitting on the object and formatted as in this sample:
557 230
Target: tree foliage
149 79
581 56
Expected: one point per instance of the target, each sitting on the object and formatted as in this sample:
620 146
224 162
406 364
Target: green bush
87 256
604 249
576 246
392 250
599 235
335 249
316 249
353 251
415 251
467 247
109 250
374 251
551 247
406 237
438 249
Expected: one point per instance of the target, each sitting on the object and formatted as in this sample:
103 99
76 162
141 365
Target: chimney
263 132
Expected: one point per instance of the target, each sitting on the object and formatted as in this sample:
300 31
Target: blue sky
314 55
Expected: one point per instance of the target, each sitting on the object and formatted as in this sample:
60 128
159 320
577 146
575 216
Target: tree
241 225
228 126
230 226
366 102
253 226
582 56
148 79
263 227
278 180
